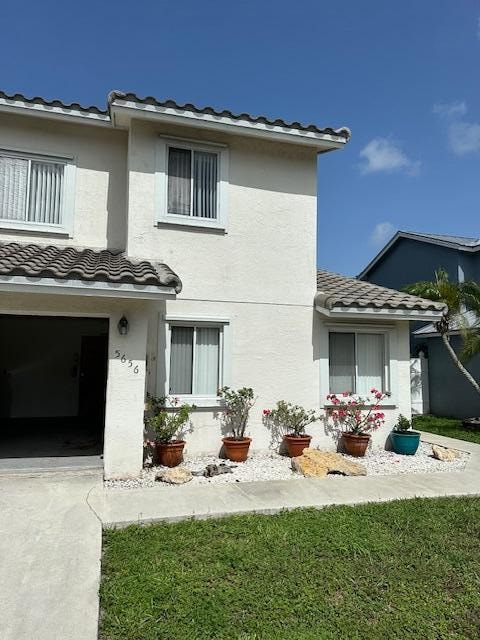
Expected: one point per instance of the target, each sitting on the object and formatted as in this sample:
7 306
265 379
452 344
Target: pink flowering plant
358 415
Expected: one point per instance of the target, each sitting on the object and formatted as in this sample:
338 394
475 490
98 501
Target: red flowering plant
358 415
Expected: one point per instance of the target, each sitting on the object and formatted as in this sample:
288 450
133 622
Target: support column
125 401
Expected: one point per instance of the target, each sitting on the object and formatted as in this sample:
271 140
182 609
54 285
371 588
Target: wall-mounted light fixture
123 326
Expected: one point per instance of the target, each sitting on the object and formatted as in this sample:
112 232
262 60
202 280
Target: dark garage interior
53 374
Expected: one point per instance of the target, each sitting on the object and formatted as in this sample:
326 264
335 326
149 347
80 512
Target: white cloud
450 109
463 137
382 232
382 154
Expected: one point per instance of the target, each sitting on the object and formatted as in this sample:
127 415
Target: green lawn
445 427
404 570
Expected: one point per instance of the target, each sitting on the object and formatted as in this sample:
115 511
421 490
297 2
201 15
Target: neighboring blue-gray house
409 257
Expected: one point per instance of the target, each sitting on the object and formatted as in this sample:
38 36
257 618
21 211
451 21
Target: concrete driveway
50 549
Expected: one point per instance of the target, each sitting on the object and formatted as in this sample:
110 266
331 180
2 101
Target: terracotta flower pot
169 454
296 444
356 445
236 450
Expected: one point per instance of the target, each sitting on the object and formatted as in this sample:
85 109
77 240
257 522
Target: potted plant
168 420
404 439
292 419
356 417
237 408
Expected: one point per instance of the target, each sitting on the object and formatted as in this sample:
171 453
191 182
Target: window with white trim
34 192
358 362
196 356
191 183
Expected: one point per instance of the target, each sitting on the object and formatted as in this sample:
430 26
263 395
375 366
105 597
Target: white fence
419 385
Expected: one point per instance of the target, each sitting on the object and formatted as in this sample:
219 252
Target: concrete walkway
50 546
163 503
51 530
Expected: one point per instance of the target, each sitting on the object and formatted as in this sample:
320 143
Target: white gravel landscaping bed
271 466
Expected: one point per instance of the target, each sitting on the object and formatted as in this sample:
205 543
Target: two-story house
155 247
410 257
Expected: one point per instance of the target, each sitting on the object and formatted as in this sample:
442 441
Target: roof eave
381 313
26 284
20 107
122 111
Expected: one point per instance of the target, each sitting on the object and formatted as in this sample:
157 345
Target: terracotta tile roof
342 132
83 264
343 292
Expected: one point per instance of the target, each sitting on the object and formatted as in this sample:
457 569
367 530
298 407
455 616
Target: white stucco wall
260 273
100 156
268 252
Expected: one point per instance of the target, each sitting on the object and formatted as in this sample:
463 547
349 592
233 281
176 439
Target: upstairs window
33 192
357 362
191 183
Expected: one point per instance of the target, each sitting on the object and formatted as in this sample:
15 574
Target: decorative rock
317 464
177 475
444 454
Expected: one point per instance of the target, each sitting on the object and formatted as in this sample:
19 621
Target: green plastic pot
405 442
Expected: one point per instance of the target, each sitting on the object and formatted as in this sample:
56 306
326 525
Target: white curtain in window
205 184
342 362
179 177
45 202
206 361
370 362
181 360
13 187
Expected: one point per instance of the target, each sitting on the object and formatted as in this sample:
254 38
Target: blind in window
206 361
45 197
181 360
179 179
205 184
13 187
370 362
342 362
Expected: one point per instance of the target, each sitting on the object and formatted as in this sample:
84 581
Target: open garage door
53 374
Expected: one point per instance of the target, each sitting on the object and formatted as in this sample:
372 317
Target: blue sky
404 76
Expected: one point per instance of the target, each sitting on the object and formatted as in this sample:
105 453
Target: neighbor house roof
120 103
467 319
86 265
460 243
342 293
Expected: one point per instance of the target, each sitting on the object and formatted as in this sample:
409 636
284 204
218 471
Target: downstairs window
195 360
357 362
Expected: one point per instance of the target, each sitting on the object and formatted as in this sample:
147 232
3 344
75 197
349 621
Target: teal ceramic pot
406 442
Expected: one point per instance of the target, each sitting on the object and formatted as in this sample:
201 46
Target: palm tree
457 296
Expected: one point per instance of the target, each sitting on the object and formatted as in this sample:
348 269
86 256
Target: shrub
403 424
168 419
290 418
237 408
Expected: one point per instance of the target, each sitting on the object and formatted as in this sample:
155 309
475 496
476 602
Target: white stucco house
165 248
